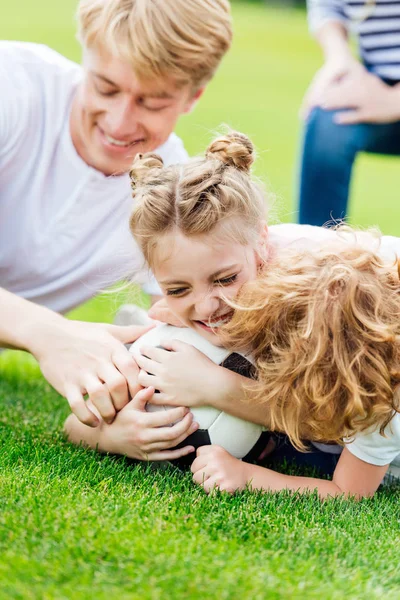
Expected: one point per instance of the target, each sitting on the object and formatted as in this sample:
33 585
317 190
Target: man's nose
122 120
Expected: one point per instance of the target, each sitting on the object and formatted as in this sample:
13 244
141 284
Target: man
68 136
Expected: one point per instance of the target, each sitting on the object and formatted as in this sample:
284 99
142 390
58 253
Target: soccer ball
240 438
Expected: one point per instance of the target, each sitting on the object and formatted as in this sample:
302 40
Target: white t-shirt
63 225
369 446
373 448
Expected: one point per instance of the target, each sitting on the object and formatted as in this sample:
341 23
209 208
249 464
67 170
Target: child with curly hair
323 327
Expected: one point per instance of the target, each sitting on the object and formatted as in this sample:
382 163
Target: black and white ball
240 438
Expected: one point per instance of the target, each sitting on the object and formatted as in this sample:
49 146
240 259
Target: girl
202 230
324 330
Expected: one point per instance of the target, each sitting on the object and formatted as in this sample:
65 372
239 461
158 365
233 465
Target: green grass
77 525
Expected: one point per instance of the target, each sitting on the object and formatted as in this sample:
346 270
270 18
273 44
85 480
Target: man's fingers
166 445
141 399
126 365
79 408
116 384
163 314
170 454
128 333
164 418
101 398
174 435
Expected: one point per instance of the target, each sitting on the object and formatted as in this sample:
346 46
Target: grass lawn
77 525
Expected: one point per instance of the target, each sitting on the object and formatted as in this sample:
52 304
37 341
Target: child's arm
136 433
186 377
214 467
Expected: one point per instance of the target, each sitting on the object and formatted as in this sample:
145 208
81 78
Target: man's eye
106 92
227 280
154 108
176 292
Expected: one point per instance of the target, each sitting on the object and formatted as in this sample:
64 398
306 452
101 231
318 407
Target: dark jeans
327 157
323 462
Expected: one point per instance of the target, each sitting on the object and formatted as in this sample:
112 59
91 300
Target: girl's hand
137 433
214 467
325 80
183 375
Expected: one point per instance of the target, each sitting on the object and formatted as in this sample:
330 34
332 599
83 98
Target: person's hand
160 312
80 358
183 375
215 468
367 98
326 80
148 435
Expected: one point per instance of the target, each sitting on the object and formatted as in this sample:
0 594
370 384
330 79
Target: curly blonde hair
196 197
324 330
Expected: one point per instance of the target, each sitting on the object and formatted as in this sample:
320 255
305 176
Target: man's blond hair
183 39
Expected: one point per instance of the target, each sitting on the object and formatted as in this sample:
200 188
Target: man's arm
76 358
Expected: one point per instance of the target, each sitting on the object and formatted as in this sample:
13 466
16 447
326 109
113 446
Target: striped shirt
375 23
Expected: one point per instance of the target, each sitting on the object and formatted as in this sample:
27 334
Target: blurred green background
258 90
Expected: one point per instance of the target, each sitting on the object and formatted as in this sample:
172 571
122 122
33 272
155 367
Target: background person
350 106
68 135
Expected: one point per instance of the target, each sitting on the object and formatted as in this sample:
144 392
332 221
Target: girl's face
196 274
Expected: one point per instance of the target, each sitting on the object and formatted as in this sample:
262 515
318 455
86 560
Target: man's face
114 115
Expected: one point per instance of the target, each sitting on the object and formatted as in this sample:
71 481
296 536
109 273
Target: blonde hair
182 39
324 330
196 197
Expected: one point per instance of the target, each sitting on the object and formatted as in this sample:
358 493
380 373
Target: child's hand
148 435
183 375
214 467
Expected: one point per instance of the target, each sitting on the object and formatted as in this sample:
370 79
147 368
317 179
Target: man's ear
263 245
194 98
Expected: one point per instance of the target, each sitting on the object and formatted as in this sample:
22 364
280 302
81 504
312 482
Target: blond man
68 135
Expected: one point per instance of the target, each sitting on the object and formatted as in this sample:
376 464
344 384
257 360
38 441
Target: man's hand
160 312
137 433
80 358
215 468
367 98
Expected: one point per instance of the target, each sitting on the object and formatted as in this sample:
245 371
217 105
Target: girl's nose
206 307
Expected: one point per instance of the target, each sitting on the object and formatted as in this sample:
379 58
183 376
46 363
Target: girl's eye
227 280
176 292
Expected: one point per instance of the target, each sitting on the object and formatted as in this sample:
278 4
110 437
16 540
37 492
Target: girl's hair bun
143 167
234 150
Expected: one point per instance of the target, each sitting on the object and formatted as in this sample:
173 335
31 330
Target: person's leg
327 158
284 452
